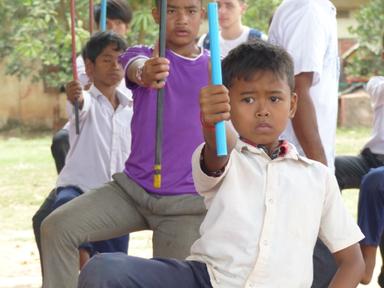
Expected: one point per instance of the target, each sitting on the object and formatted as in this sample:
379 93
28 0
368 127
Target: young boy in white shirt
266 204
104 142
118 19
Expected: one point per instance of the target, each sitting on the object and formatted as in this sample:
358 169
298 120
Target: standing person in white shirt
262 223
102 146
351 169
232 31
307 29
366 171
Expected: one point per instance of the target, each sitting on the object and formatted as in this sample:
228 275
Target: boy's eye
275 99
171 11
248 100
192 11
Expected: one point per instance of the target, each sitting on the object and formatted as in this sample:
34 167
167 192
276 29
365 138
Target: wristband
139 74
203 168
206 125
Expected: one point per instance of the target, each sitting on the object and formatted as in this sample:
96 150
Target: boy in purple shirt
130 202
180 134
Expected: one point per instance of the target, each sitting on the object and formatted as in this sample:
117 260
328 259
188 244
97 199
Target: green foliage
144 28
37 41
370 32
259 13
35 38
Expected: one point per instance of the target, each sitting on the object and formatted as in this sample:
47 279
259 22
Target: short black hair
246 59
99 41
116 10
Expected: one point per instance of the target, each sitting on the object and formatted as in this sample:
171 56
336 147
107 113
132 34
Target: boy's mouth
223 20
182 32
114 75
263 127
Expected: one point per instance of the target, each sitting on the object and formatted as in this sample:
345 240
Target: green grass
350 141
28 173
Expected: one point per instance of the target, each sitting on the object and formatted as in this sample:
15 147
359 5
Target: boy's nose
116 63
182 17
262 113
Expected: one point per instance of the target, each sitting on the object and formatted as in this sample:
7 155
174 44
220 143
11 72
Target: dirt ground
20 266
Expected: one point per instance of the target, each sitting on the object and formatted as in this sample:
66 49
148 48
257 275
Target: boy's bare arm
214 107
74 92
305 121
149 72
351 267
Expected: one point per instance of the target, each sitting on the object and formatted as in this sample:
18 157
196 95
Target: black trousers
350 170
59 148
45 209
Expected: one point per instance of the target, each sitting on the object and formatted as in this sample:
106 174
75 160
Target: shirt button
265 242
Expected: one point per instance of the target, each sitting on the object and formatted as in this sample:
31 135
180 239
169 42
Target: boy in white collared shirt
104 142
266 204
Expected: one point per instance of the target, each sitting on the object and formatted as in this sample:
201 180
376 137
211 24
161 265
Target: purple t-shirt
182 131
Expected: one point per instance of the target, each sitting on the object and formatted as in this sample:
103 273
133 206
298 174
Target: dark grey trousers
118 270
115 209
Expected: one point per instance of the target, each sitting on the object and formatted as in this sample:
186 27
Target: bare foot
369 255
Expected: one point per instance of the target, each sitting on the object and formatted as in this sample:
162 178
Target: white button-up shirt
307 29
104 142
375 88
264 217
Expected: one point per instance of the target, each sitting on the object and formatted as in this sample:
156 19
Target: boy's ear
203 14
243 7
89 68
156 15
293 105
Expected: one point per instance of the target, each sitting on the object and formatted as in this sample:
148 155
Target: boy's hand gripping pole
160 99
213 22
74 68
